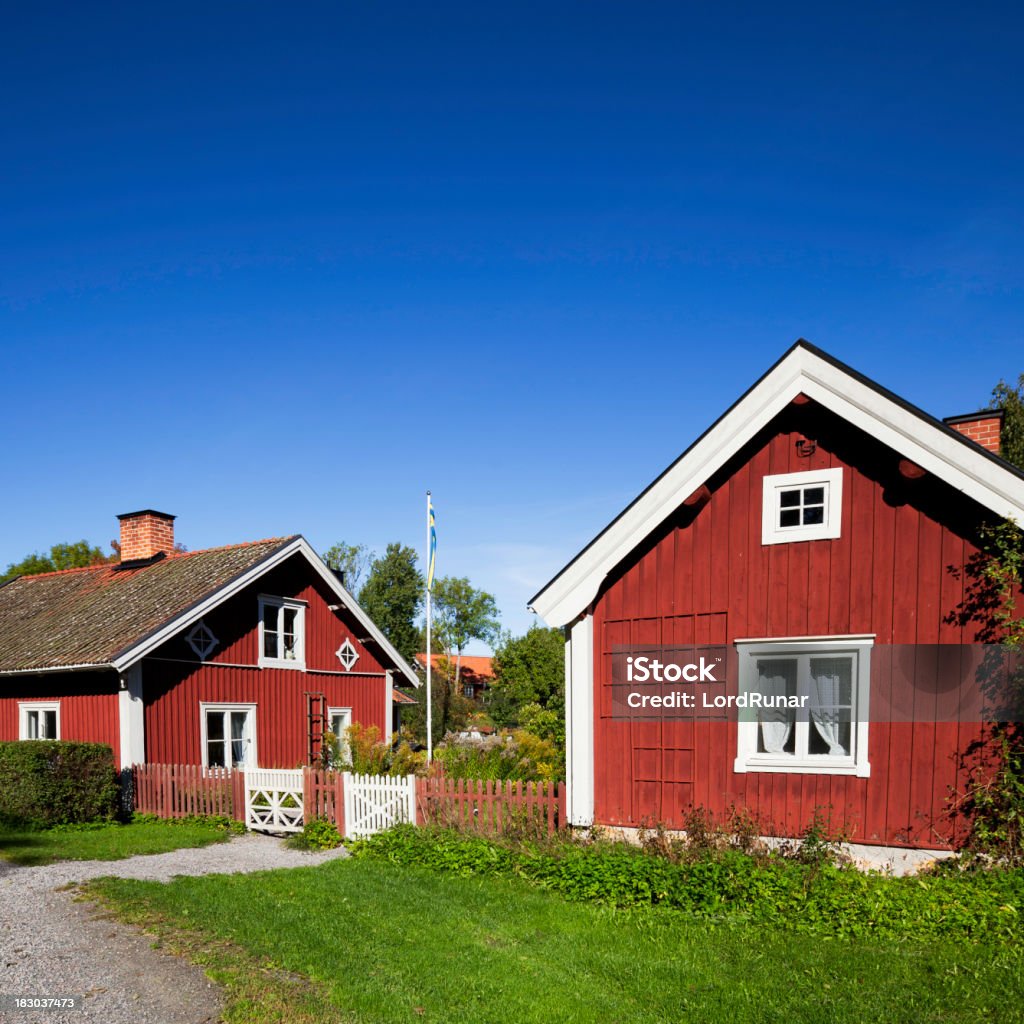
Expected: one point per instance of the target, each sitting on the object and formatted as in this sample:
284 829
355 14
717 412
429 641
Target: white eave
804 369
130 655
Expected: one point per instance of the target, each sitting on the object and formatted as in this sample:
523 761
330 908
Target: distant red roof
397 697
472 664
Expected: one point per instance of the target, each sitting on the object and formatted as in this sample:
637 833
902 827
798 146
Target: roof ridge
168 557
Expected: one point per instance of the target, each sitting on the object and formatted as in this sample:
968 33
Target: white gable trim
299 545
802 370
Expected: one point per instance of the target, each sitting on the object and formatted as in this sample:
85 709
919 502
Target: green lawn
106 842
367 941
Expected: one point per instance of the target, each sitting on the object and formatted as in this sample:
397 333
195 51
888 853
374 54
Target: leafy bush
508 755
318 834
774 891
365 753
52 782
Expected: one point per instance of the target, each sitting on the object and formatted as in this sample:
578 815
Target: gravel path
50 945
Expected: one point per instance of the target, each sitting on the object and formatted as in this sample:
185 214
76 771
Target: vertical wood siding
705 577
175 683
88 704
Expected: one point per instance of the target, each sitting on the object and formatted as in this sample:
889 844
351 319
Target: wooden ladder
316 719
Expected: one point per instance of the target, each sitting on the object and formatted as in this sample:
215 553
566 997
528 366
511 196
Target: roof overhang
297 546
939 449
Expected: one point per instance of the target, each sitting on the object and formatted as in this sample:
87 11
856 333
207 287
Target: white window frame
748 759
342 740
830 479
252 760
191 638
26 707
298 663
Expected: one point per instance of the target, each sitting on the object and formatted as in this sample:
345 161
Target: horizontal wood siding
705 577
88 704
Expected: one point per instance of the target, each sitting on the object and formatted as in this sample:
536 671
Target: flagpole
430 739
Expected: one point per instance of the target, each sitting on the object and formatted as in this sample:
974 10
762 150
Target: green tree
529 682
61 556
353 560
461 614
393 595
1011 400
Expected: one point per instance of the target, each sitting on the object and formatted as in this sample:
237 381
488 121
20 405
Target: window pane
814 496
814 515
50 725
215 725
776 677
789 498
215 754
831 706
270 620
33 725
789 517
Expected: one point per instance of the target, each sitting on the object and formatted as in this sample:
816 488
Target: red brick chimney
981 427
146 534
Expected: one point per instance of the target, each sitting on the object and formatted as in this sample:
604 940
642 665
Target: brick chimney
145 534
981 427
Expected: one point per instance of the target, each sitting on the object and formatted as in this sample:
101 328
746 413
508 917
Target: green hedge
730 886
52 782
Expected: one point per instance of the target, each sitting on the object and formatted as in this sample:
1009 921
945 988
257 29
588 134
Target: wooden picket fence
176 791
490 806
180 790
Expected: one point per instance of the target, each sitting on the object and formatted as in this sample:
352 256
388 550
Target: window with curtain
229 736
827 733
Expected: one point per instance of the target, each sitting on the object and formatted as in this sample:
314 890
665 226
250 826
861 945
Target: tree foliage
529 682
352 560
75 555
393 595
1011 400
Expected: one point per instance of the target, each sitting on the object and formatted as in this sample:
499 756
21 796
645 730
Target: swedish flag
433 544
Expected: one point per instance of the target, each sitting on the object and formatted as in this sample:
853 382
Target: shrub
776 892
53 782
318 834
517 755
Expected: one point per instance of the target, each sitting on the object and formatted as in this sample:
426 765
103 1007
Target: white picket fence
376 802
273 799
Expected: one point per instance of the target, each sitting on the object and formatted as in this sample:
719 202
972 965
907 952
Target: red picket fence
324 797
490 806
180 790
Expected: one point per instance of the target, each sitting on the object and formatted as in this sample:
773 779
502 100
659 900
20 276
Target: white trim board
803 370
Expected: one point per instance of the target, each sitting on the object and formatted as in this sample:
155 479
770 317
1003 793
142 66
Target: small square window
39 721
802 506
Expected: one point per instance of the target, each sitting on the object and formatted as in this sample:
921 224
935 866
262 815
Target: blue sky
281 268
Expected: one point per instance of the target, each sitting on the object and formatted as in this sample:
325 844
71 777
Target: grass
114 841
370 942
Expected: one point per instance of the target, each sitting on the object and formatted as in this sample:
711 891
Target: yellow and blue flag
433 544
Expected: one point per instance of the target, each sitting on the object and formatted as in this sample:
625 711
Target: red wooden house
820 520
232 656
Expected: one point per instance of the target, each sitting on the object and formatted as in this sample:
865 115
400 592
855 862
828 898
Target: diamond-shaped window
201 640
347 655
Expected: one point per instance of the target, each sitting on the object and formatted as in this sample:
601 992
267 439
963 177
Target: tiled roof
397 697
473 664
87 616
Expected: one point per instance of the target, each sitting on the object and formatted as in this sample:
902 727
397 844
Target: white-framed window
39 720
338 720
822 725
468 690
347 655
228 733
282 633
201 639
802 506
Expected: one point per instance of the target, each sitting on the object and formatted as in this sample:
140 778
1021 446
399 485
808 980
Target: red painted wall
175 683
88 704
705 577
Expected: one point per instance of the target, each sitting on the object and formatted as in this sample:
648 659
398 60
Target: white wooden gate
273 799
376 802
